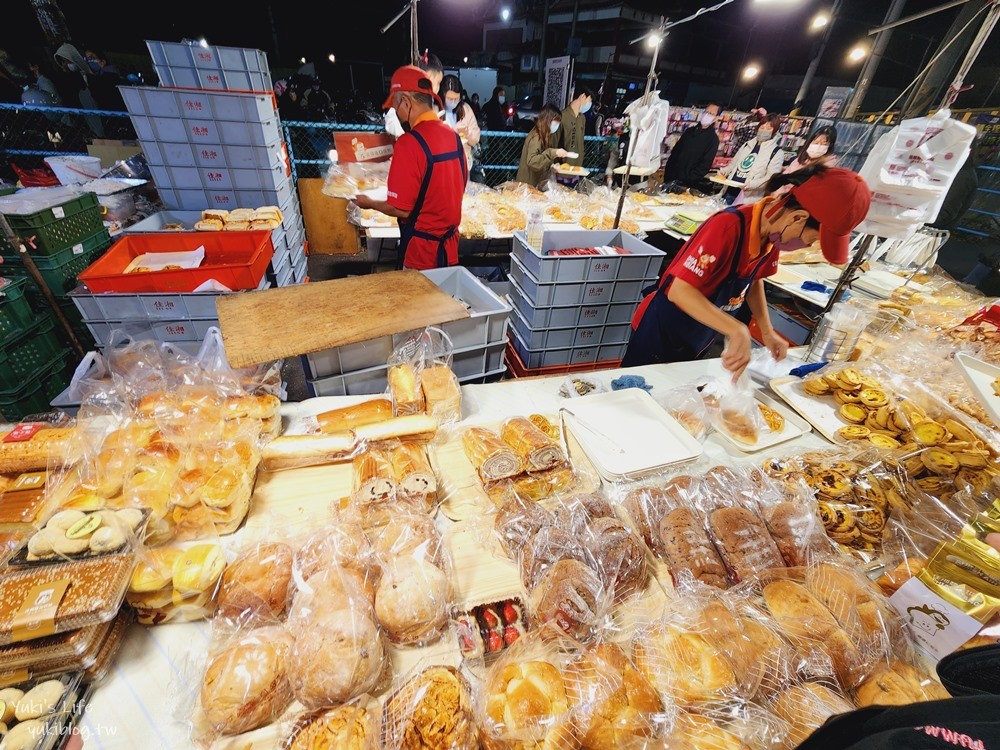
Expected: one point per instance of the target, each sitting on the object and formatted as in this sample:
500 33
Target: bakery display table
157 673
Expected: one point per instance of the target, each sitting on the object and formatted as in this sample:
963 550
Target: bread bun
340 545
851 599
616 702
330 590
431 711
693 732
807 707
246 685
198 569
550 545
619 555
898 684
406 533
344 728
412 600
570 595
338 655
258 581
684 665
527 708
517 522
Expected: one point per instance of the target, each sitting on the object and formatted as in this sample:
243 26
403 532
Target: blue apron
665 333
408 230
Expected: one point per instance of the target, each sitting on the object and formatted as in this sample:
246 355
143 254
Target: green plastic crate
33 349
8 190
35 395
16 314
81 219
60 270
80 330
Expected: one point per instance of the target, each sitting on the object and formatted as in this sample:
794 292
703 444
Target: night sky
452 28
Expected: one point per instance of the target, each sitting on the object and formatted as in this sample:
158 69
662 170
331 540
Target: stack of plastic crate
62 240
572 312
479 341
34 366
213 140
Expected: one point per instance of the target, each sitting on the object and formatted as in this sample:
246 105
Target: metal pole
29 263
414 46
872 63
576 14
541 52
736 80
800 97
977 46
274 32
915 16
635 131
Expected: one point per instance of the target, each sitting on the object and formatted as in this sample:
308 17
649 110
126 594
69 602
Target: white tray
822 412
573 173
884 283
980 376
627 435
794 427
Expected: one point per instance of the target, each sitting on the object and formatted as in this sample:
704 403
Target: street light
505 14
302 61
332 57
857 54
465 60
653 40
203 42
751 71
820 21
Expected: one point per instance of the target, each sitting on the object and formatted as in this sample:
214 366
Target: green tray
61 269
21 358
16 314
35 396
81 219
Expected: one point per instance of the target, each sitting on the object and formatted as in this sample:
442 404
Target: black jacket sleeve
704 162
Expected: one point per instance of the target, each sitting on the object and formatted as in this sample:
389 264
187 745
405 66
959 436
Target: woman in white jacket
459 115
756 161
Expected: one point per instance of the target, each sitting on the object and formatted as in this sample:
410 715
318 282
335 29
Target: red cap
411 79
838 199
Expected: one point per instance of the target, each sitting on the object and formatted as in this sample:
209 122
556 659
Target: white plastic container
74 169
197 105
207 133
210 67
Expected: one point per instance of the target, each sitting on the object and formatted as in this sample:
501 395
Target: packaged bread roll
527 706
359 415
492 458
684 665
691 731
37 452
433 709
898 684
259 581
743 541
687 549
347 727
807 707
442 393
413 473
535 448
374 480
570 595
852 600
812 627
404 387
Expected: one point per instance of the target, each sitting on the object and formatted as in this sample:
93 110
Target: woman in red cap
716 282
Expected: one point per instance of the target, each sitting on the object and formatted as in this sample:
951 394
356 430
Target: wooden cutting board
279 323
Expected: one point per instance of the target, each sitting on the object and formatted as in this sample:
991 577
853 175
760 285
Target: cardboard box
110 152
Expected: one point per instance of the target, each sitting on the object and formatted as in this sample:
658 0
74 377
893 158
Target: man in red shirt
723 266
427 178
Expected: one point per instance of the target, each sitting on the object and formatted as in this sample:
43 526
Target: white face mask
816 150
554 127
706 119
501 98
765 135
450 105
586 108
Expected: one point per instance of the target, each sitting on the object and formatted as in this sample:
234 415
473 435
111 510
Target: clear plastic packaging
686 405
352 725
41 710
431 707
258 583
176 584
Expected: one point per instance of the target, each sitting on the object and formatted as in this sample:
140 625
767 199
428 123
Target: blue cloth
630 381
815 286
801 372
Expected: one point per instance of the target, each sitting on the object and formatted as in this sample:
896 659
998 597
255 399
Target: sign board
362 147
834 100
558 79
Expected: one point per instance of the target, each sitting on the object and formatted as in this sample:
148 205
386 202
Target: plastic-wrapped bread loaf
536 449
373 477
412 471
442 393
359 415
743 540
686 547
491 457
34 453
404 386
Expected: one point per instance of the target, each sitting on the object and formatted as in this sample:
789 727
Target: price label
59 212
78 249
22 432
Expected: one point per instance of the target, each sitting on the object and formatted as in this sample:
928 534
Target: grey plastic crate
486 325
216 68
642 262
212 156
197 105
581 293
181 199
199 178
300 269
285 279
202 133
534 358
465 364
574 316
280 264
560 338
101 308
164 330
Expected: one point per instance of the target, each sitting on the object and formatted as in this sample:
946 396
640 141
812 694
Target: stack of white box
217 142
576 309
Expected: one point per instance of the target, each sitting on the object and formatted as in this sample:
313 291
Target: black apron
408 230
665 333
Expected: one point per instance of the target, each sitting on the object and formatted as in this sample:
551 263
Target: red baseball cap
838 199
411 79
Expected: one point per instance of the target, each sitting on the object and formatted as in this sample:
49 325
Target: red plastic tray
236 259
516 368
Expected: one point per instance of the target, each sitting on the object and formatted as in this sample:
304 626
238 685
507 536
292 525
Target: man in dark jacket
574 123
692 155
